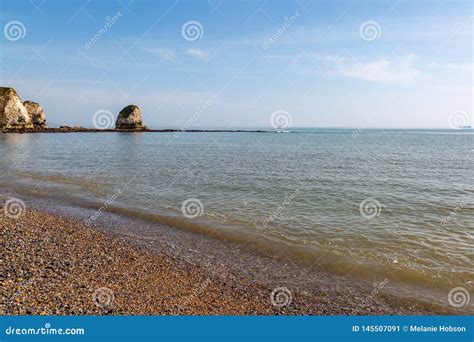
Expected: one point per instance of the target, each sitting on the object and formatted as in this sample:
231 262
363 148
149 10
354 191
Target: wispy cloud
199 54
166 54
381 70
469 67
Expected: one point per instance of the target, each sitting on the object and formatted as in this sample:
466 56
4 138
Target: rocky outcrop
36 114
13 114
130 118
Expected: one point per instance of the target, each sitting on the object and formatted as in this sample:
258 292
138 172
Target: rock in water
36 114
12 112
129 118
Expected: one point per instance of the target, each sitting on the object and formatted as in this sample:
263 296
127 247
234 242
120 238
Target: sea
391 206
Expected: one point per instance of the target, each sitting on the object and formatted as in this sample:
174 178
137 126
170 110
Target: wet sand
52 265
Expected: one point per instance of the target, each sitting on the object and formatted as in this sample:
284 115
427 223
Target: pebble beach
52 265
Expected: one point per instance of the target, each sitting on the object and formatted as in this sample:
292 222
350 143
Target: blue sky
321 66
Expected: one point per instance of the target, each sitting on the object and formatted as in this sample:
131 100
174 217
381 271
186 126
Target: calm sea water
384 203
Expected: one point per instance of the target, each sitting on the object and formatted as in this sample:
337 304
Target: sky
222 63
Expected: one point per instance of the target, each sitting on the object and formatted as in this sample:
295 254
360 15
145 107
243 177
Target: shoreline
56 264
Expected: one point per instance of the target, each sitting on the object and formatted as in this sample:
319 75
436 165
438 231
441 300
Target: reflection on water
380 203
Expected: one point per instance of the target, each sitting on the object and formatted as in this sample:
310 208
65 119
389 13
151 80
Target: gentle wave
298 194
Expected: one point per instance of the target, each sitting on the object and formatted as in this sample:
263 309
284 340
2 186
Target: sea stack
36 114
13 114
130 118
